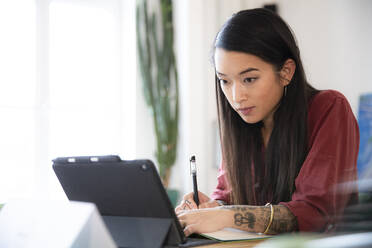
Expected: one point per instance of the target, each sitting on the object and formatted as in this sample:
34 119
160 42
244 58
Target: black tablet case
128 194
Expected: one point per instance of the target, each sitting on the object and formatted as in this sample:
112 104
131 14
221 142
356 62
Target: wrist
267 228
227 217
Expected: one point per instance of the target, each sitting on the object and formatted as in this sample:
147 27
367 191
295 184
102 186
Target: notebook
232 234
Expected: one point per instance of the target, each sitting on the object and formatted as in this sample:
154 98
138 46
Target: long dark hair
257 175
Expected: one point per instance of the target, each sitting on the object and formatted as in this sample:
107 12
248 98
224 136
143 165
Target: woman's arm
247 218
257 218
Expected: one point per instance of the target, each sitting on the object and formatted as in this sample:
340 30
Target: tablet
128 194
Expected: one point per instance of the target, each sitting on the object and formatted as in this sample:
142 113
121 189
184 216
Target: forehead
232 62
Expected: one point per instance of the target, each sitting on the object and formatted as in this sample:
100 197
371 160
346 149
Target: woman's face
251 85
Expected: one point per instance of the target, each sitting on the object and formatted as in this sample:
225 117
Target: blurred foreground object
354 240
353 229
40 223
358 217
365 127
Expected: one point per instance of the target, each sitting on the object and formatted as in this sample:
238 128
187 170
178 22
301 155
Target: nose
237 92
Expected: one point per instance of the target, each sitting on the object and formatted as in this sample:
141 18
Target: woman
286 146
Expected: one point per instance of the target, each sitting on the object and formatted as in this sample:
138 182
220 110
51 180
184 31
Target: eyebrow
240 73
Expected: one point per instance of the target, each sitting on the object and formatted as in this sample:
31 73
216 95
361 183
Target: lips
246 111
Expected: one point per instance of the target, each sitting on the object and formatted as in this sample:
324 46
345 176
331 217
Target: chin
250 120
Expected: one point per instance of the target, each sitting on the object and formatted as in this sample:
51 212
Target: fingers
188 225
185 205
182 223
187 229
189 200
189 203
190 229
204 220
203 198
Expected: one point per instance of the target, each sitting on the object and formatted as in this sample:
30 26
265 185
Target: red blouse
332 159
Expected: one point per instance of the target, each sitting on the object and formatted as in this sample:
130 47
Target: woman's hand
188 202
205 220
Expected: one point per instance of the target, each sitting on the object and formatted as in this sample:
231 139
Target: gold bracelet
271 217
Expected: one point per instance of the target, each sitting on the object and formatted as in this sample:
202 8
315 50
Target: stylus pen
194 182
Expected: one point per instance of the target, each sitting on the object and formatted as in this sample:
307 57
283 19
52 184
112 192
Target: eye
222 81
249 79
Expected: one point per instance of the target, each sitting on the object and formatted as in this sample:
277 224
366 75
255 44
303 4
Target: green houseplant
159 79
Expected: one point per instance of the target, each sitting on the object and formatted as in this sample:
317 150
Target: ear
287 72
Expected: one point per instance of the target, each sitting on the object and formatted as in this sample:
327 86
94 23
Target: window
67 88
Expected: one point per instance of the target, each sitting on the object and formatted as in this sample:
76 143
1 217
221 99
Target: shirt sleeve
331 161
222 192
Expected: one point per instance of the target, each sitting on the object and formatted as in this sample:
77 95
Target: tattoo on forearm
245 216
247 219
256 218
283 221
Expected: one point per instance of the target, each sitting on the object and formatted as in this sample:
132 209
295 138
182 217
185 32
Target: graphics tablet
130 197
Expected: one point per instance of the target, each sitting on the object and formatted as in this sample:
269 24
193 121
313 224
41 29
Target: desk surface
251 243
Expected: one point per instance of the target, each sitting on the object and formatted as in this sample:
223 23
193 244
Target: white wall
196 25
334 37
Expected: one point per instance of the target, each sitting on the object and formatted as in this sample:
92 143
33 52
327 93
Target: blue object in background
365 128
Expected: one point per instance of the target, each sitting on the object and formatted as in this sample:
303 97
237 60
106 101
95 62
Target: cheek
272 96
270 90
